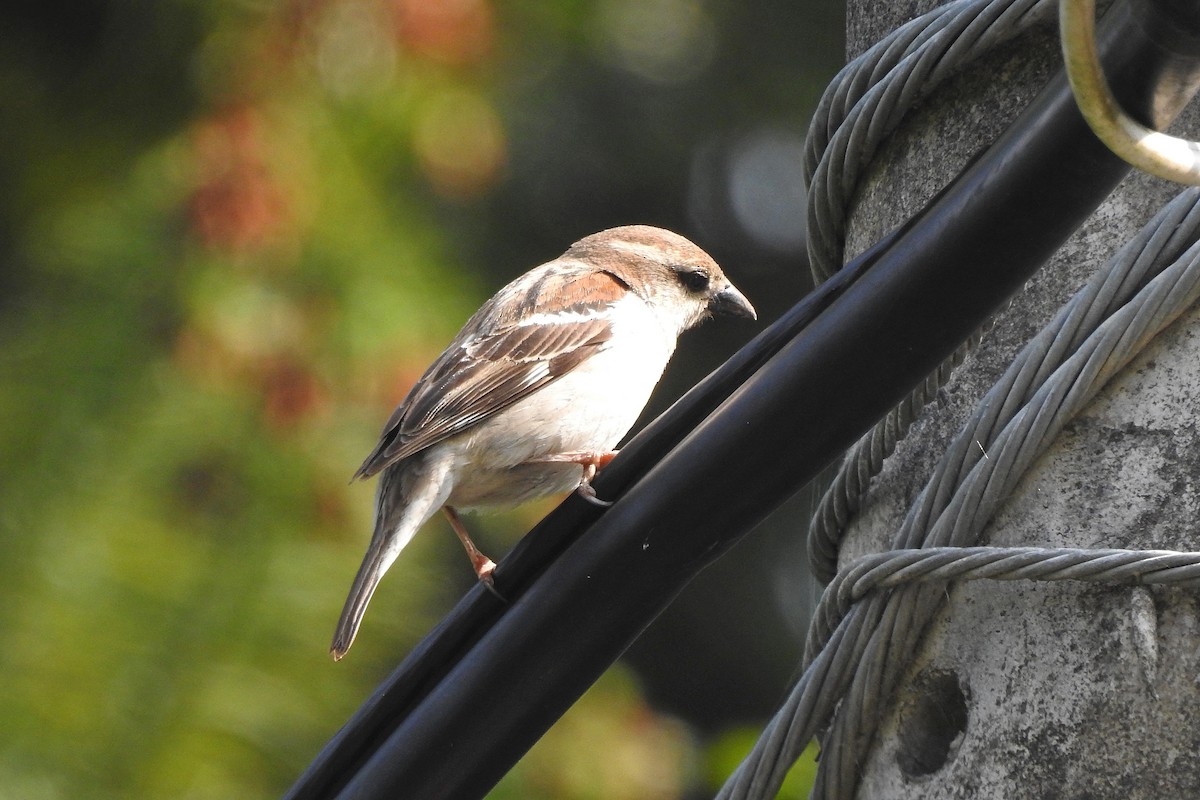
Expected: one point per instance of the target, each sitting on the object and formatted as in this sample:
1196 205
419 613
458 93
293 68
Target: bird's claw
585 488
485 577
588 492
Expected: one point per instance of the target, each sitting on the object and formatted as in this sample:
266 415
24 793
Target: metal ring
1149 150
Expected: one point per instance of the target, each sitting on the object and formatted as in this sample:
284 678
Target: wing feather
478 377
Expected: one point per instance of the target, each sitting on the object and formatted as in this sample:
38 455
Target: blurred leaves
609 746
233 233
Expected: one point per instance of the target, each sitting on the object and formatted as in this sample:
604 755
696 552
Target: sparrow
534 392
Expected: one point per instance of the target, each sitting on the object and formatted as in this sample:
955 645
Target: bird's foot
588 492
591 461
484 573
483 566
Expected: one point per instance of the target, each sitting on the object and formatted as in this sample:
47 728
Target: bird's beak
732 302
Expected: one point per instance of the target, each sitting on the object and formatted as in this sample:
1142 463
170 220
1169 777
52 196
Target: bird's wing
482 373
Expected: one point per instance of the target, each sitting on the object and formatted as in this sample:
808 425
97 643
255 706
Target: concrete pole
1039 690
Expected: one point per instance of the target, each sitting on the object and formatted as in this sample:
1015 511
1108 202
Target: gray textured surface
1068 691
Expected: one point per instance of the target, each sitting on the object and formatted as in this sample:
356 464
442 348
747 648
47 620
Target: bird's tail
374 565
402 507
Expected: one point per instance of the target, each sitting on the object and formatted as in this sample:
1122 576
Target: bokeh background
232 234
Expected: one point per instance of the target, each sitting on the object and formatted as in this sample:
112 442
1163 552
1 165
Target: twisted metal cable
870 96
808 706
826 676
863 105
1158 243
1149 283
1006 435
864 460
1162 155
942 564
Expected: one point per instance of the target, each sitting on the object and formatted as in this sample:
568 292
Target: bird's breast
589 409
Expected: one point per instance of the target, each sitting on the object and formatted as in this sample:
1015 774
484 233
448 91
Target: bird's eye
694 280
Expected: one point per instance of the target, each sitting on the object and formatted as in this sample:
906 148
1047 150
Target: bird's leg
591 462
585 488
483 566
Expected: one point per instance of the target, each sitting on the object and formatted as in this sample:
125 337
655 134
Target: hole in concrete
934 715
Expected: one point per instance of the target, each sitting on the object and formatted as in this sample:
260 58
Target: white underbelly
587 410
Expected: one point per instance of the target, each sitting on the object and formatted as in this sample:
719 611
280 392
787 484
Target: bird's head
669 272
